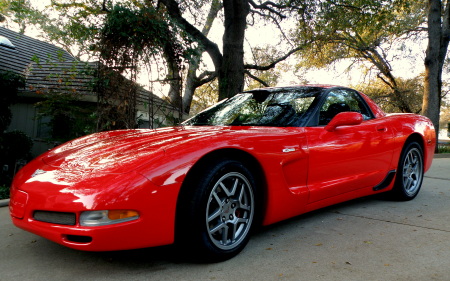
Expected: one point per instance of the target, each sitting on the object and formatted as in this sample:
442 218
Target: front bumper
155 226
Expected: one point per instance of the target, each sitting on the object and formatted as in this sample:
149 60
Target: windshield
281 108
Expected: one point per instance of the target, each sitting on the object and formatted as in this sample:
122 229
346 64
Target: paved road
365 239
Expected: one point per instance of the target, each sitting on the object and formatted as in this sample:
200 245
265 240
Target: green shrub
4 192
444 148
9 85
14 146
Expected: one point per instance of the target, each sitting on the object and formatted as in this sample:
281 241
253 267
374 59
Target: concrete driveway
365 239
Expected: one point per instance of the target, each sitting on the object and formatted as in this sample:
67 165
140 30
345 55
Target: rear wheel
410 173
218 213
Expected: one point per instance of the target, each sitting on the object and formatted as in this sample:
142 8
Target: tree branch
210 47
256 78
104 9
385 81
274 63
205 77
266 6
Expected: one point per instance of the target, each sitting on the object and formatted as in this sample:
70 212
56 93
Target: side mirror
344 119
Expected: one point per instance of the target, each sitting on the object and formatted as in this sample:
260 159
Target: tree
80 22
380 92
72 29
206 96
362 31
267 78
229 65
3 10
438 40
193 81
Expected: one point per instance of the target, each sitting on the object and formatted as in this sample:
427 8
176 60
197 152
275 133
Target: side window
340 101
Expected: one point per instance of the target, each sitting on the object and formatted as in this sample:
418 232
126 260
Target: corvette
257 158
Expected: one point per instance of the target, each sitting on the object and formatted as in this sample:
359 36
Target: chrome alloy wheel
412 172
230 211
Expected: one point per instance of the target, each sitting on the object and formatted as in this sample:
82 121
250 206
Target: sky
335 75
261 35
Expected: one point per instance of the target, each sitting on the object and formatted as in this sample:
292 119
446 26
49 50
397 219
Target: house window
44 131
4 42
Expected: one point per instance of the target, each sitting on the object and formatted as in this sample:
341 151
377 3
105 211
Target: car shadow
171 254
361 202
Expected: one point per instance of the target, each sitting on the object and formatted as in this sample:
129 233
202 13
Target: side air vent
386 182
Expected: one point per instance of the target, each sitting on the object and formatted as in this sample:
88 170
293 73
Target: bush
18 145
4 192
14 146
443 148
9 84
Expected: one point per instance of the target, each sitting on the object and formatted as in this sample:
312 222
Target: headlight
107 217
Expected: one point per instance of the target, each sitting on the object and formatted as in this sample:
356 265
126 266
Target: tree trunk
189 88
434 61
228 65
191 79
173 75
211 48
231 72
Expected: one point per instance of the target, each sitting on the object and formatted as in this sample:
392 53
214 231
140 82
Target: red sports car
258 158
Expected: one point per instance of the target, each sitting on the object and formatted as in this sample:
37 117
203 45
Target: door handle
381 128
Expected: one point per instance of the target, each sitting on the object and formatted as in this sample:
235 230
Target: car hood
120 151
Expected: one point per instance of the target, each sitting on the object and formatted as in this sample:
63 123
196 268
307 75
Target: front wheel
410 173
229 211
219 212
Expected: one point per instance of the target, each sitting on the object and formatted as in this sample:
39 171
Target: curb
442 155
4 203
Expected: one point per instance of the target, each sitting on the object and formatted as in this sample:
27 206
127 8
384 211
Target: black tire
409 173
217 213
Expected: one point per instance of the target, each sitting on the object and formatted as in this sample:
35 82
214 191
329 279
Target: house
49 70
